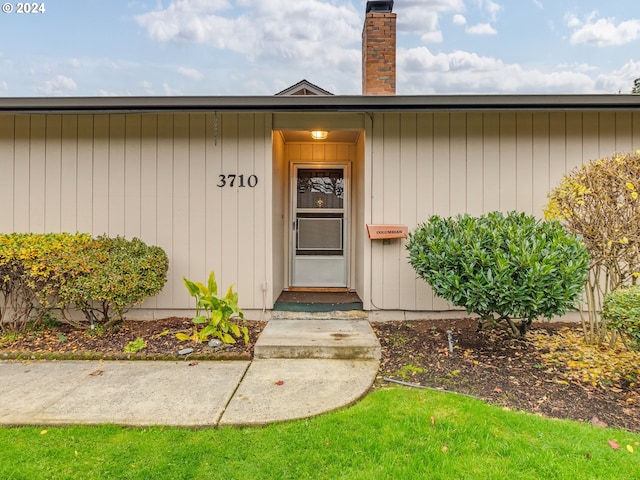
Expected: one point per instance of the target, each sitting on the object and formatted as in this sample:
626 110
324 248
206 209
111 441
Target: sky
260 47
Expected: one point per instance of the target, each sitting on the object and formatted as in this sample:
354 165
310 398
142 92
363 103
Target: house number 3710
240 181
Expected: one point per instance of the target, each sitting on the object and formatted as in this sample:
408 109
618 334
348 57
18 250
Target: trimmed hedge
621 312
501 267
49 274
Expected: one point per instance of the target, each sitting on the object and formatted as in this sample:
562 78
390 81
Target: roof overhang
336 103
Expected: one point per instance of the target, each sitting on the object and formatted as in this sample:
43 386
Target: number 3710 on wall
233 180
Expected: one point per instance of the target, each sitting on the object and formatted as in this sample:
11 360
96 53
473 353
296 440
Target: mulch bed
65 342
501 370
489 365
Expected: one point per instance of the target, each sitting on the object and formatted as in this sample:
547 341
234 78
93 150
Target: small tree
636 87
599 201
502 268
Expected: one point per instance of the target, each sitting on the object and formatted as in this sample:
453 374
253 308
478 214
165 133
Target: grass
393 433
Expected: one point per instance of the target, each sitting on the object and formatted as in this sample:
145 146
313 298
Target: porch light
319 134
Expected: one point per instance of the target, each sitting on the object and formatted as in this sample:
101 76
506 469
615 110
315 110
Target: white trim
293 173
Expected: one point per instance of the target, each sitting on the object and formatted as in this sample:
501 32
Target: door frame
294 166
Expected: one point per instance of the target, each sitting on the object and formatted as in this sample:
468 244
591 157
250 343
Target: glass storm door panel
319 228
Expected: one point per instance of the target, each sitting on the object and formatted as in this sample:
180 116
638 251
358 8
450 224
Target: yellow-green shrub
121 273
32 269
44 274
600 201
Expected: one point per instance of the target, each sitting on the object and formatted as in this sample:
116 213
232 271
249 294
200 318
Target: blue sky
259 47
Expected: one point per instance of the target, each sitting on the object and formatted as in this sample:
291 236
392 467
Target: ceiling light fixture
319 134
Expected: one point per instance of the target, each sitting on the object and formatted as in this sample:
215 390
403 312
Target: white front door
319 226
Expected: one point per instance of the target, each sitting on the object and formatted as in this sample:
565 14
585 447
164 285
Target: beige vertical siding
155 176
7 169
448 163
149 176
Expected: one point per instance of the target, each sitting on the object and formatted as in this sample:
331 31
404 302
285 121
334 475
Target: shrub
120 274
621 312
215 313
45 273
32 268
502 268
600 202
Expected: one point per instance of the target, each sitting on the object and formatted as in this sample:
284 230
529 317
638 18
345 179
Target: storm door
319 226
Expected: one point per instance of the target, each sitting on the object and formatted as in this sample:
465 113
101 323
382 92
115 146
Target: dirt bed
489 365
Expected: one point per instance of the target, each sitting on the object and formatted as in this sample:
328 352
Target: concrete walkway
278 385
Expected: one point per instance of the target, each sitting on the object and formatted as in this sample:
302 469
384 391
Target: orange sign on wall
387 231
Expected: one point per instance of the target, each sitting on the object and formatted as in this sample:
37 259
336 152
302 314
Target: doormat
318 301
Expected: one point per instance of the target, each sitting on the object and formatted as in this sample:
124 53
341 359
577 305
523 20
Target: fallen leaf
96 373
43 432
613 444
279 383
445 449
598 423
193 364
588 455
433 421
630 448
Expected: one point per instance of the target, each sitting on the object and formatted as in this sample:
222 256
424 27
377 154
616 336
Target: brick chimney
379 49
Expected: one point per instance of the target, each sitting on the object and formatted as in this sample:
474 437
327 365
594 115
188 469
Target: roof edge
312 103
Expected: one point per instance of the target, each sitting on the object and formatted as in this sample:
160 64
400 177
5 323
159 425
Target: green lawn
394 433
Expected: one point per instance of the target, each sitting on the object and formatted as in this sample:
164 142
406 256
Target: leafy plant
43 274
32 269
135 346
120 273
502 268
621 312
600 201
216 314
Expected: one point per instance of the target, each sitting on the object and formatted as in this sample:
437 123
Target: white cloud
459 19
620 80
109 93
147 87
170 92
432 37
538 4
420 72
602 32
312 32
481 29
59 85
576 67
4 86
190 73
490 7
422 17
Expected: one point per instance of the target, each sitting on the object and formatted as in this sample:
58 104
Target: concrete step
312 338
333 315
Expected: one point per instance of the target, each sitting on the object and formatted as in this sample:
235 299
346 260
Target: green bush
42 274
502 268
621 312
121 273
